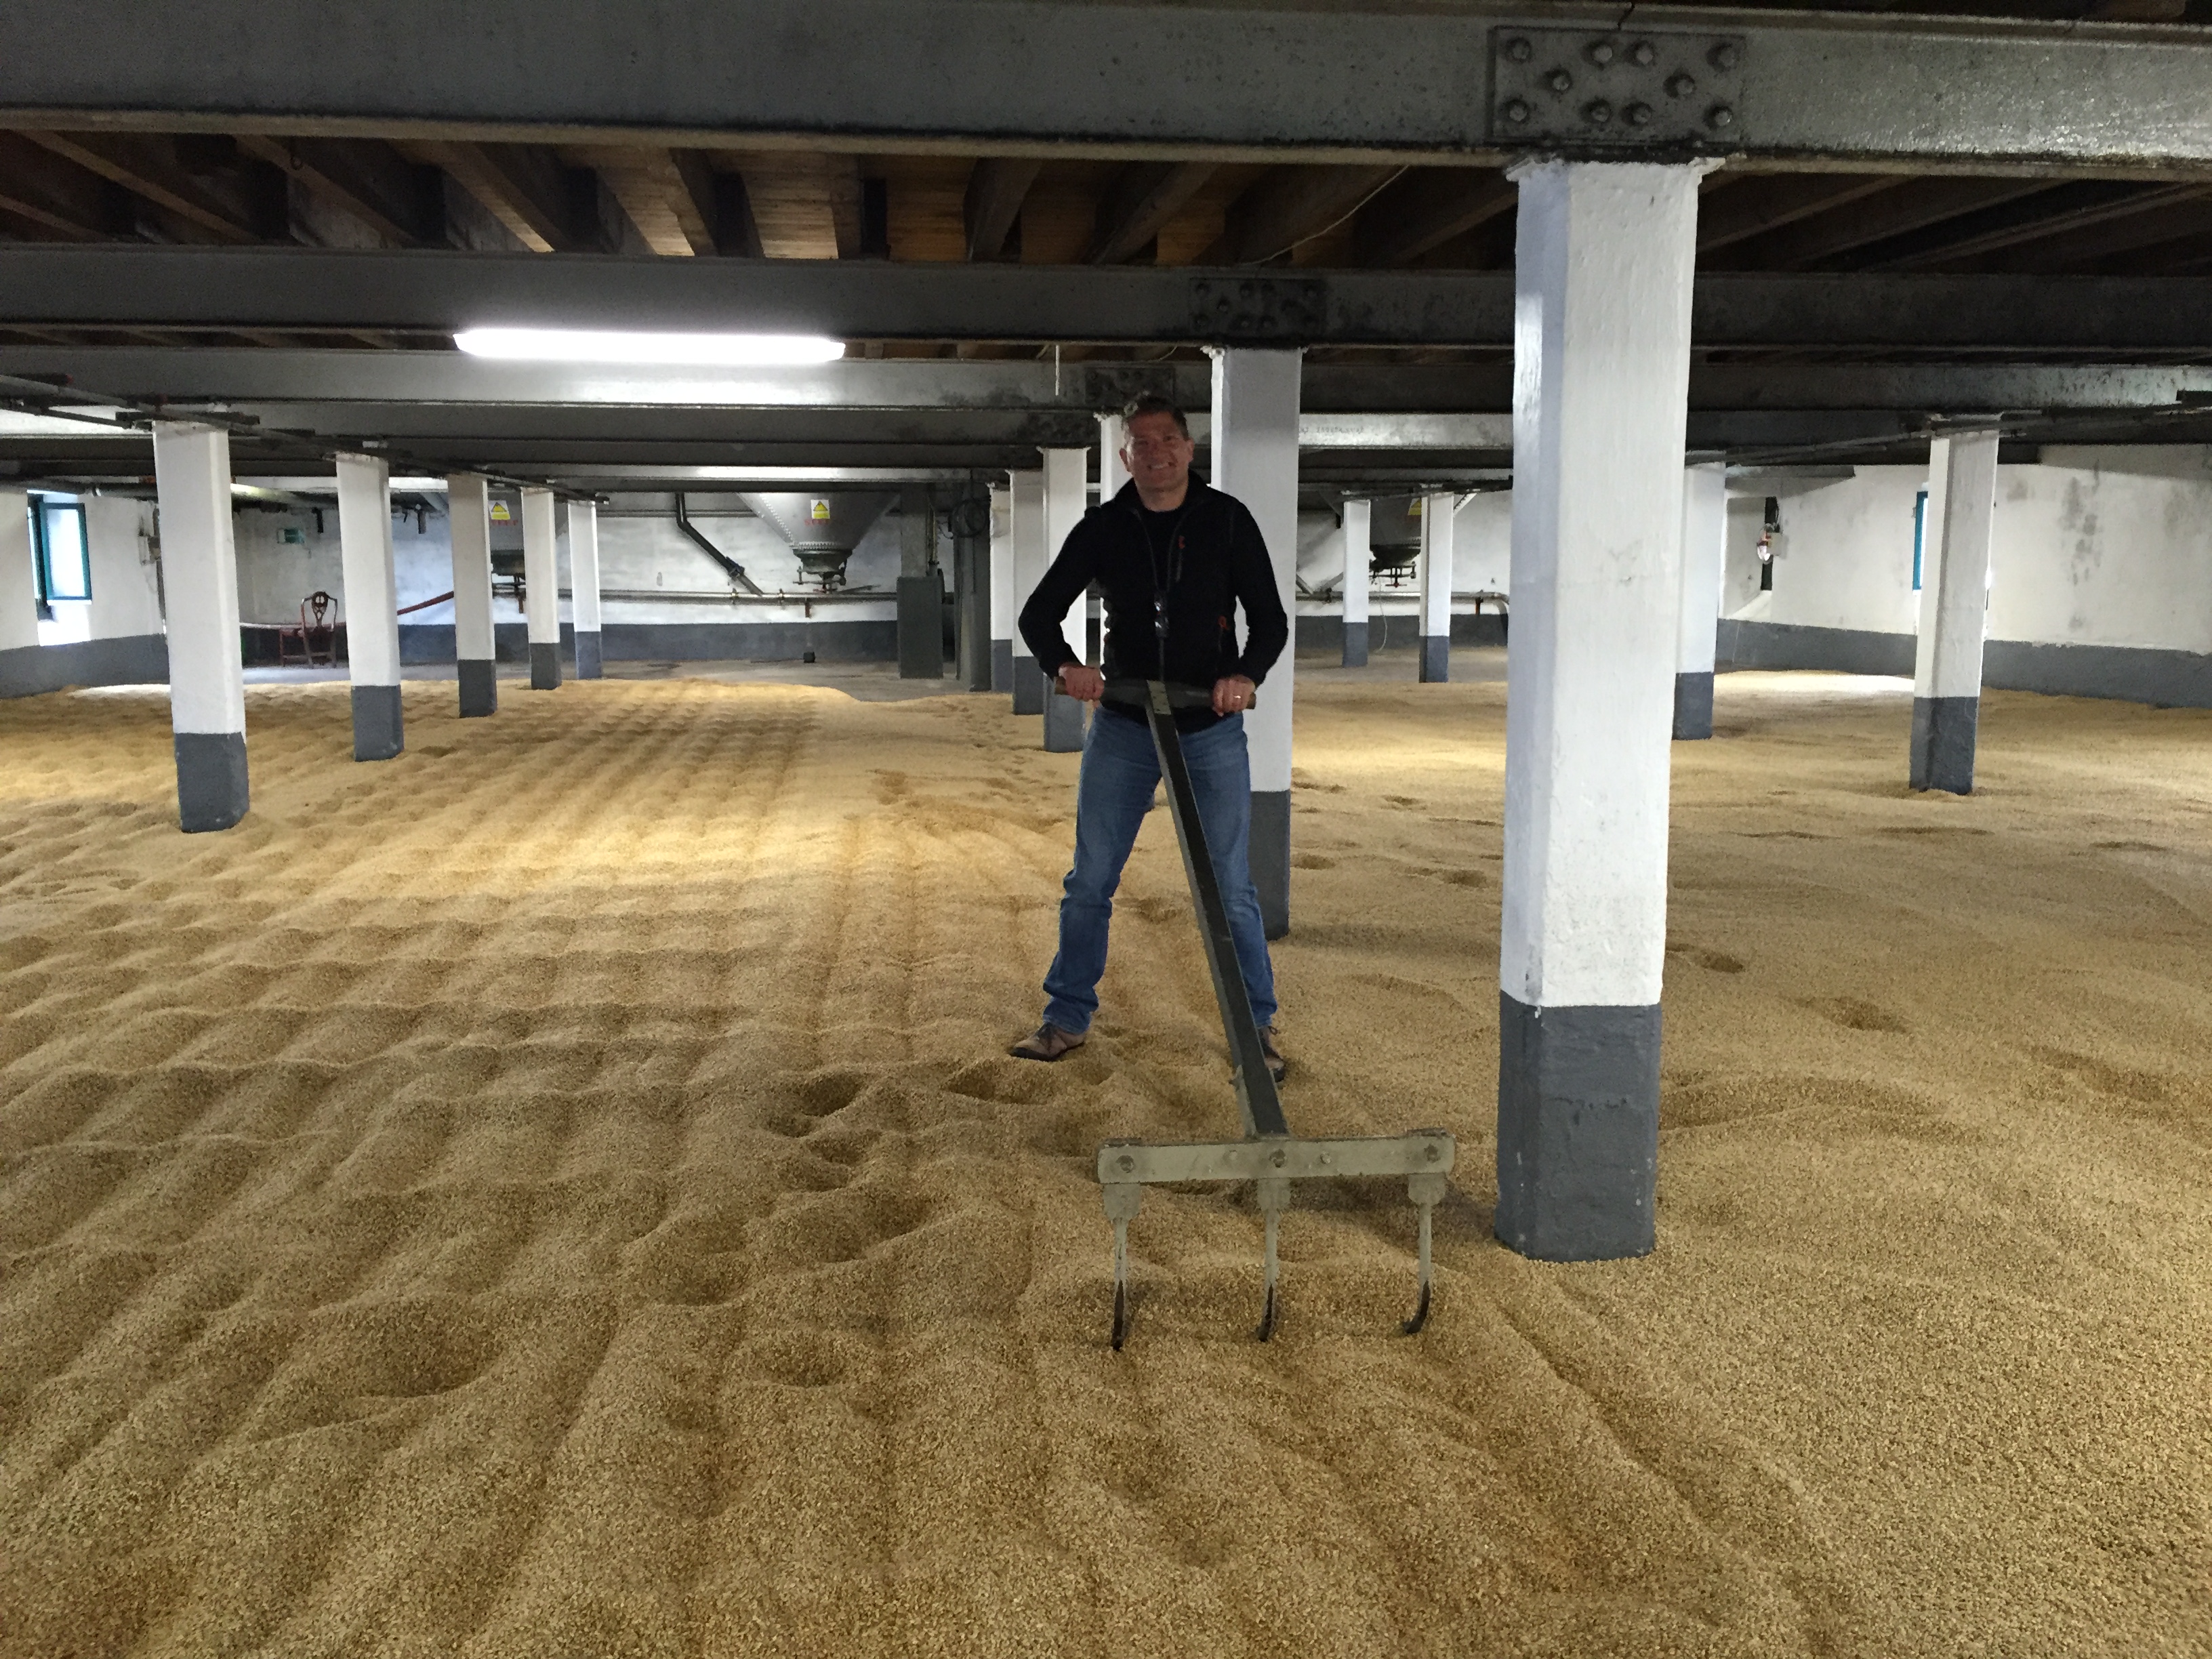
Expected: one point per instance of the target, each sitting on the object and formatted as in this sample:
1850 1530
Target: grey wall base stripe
587 654
1029 686
545 666
1269 855
1395 633
1787 645
831 641
1355 645
1578 1130
378 731
134 660
1002 664
211 790
1943 743
1435 659
2175 679
479 685
1693 705
2128 673
1063 722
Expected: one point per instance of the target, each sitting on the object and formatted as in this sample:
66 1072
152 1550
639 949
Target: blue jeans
1120 768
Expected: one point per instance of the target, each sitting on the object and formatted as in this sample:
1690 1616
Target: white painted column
207 683
1955 601
541 589
19 582
476 655
125 604
1439 515
584 584
1029 565
1003 608
1255 458
371 605
1067 476
1113 439
1704 554
1358 579
1601 365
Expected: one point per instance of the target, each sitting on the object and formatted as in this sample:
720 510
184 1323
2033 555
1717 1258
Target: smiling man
1174 559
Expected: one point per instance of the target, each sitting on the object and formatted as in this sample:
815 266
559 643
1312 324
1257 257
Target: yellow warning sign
819 511
500 514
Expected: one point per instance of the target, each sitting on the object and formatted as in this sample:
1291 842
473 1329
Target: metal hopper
1393 536
822 526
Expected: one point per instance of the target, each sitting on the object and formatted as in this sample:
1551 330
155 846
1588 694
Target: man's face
1156 454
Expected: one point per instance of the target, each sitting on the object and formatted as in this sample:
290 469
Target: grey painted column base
1002 665
377 732
1693 705
1435 659
211 793
479 686
1029 686
920 627
545 666
1578 1130
1355 645
587 654
1268 853
1943 743
1063 723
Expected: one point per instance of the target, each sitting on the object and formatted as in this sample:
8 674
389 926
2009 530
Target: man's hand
1082 683
1232 694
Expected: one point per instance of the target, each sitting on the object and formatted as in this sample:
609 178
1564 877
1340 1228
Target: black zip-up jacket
1216 560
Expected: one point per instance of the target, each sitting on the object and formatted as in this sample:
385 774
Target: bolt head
1559 81
1638 115
1429 1154
1128 1162
1277 1160
1680 85
1518 49
1643 54
1518 110
1720 117
1600 52
1598 113
1724 56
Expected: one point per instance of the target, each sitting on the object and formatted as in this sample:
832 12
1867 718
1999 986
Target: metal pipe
735 571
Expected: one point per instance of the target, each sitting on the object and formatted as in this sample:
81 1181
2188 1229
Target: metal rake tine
1121 1285
1268 1310
1413 1326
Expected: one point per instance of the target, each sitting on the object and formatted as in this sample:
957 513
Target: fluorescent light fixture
591 345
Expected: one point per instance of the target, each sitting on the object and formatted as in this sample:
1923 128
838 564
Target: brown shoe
1277 1065
1046 1042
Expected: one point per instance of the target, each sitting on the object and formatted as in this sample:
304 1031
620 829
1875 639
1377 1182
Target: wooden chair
315 636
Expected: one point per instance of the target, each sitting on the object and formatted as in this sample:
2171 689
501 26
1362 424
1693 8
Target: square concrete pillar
1004 608
1357 554
1065 498
1704 554
541 589
476 656
1255 458
371 605
1439 524
1954 603
1605 257
207 680
584 584
1026 531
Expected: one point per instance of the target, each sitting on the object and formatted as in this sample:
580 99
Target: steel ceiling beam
426 292
329 382
1375 83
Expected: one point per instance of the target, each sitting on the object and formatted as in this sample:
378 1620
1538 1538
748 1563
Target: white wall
118 542
1482 552
2100 546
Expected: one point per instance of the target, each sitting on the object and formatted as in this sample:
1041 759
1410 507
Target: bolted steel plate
1629 89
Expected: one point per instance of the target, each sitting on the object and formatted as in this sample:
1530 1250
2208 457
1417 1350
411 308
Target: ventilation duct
822 526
